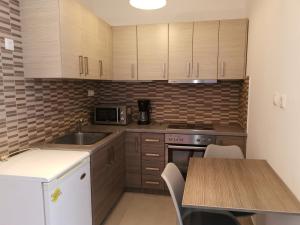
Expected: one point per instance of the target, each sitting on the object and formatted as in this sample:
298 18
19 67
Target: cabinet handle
188 69
222 73
152 182
132 71
152 154
198 70
86 62
101 68
151 140
164 70
152 169
81 65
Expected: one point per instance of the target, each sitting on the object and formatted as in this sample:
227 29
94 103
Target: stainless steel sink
81 138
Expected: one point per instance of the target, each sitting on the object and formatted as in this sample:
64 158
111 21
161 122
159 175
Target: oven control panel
190 139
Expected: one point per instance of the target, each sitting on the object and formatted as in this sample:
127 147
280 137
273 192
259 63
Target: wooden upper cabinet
232 49
71 22
153 51
105 50
180 51
125 53
61 41
41 40
91 43
205 50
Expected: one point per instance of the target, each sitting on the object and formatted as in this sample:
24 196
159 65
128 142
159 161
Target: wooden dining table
241 185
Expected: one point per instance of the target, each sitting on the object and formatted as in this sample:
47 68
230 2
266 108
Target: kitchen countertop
117 131
219 129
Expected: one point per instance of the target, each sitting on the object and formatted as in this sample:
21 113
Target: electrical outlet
9 44
91 93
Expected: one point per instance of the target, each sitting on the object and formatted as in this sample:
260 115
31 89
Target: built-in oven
112 114
181 147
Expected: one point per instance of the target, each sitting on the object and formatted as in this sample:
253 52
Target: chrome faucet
79 125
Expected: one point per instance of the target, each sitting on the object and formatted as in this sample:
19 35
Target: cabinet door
180 51
153 52
232 49
101 187
205 50
118 167
124 53
41 38
105 50
133 160
71 22
91 46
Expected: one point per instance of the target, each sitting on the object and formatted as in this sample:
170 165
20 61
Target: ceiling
119 12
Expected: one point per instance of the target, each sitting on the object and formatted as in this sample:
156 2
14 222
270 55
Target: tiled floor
145 209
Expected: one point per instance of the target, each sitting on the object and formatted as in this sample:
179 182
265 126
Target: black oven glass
181 158
106 115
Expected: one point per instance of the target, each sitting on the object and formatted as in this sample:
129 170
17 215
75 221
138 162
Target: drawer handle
152 182
152 169
152 154
151 140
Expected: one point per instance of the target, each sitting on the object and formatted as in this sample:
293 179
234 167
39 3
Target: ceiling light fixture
148 4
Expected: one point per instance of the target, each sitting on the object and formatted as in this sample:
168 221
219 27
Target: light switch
283 99
9 44
276 99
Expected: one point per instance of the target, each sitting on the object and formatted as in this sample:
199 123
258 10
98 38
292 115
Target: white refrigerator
46 187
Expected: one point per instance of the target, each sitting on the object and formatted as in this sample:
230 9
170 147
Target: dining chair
226 152
175 183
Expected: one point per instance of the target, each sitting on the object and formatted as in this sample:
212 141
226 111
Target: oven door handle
118 111
187 147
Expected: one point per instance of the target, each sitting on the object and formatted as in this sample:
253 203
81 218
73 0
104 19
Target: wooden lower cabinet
107 178
153 160
133 160
145 161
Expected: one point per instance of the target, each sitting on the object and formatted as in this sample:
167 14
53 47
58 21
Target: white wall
274 66
119 12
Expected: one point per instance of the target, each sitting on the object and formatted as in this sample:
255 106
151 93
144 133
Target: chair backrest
175 183
226 152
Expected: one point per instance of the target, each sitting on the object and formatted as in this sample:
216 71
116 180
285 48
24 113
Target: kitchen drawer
151 140
154 155
152 182
154 168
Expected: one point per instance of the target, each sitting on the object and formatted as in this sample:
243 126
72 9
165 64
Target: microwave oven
112 114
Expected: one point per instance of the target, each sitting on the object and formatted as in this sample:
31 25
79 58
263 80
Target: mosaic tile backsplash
221 102
38 110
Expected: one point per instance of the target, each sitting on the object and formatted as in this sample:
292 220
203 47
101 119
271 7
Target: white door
68 199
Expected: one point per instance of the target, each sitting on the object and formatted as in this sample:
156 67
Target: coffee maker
144 111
